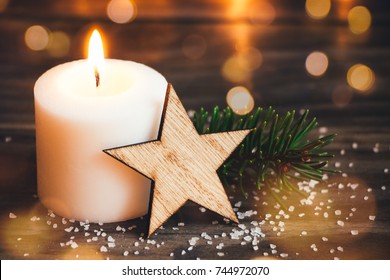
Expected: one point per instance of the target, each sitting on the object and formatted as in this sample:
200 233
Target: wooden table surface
348 216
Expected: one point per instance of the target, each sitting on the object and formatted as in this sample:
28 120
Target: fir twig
275 153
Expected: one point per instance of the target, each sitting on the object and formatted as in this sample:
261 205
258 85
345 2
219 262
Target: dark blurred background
289 54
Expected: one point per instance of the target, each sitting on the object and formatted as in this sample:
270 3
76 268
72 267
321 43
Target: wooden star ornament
182 163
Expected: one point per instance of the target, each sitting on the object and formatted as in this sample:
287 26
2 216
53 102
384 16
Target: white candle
75 120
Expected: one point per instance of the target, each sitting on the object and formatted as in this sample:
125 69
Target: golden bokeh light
121 11
36 37
59 44
342 96
240 100
359 19
316 63
3 5
262 12
318 9
361 78
238 68
250 59
194 46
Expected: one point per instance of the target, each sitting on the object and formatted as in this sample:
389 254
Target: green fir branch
275 154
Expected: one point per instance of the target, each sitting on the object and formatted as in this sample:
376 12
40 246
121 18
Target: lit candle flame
96 54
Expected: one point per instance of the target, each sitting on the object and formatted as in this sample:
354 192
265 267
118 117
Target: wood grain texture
182 164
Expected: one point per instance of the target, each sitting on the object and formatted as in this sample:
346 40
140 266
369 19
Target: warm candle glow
96 54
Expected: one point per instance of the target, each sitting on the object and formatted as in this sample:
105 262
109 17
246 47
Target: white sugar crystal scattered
118 228
284 255
95 238
69 229
34 219
369 190
255 248
76 229
265 254
87 234
202 209
340 186
175 228
181 224
354 145
331 251
223 234
324 239
147 248
366 197
324 191
350 164
337 164
272 246
214 222
183 252
238 204
211 242
190 248
64 221
219 246
220 254
304 233
386 170
383 188
375 150
126 253
354 232
171 254
354 186
248 238
104 234
243 243
110 239
341 249
12 215
19 238
326 215
136 253
48 223
111 245
342 152
74 245
242 226
352 197
372 218
340 223
26 254
103 249
193 241
274 251
337 212
301 215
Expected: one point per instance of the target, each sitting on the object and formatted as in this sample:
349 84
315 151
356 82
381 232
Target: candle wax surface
75 121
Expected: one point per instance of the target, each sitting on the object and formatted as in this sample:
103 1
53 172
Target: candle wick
97 77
